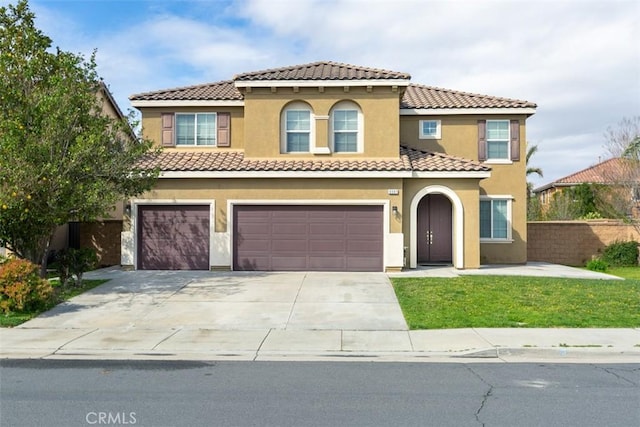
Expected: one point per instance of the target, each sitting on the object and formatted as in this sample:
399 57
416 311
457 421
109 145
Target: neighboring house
104 234
329 166
618 173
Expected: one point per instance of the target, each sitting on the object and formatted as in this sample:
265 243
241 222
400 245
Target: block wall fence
575 242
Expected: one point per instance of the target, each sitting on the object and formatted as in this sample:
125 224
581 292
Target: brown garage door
316 238
173 237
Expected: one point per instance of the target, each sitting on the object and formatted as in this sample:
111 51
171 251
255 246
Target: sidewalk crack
72 340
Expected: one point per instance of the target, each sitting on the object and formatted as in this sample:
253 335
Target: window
346 128
345 131
495 219
196 129
297 128
498 139
429 129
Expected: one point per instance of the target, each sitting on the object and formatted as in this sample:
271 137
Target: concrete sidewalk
453 345
289 316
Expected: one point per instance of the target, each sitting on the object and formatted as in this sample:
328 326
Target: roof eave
529 111
188 103
324 174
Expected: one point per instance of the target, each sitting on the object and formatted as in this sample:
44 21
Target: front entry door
434 229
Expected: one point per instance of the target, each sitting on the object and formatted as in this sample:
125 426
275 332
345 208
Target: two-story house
329 166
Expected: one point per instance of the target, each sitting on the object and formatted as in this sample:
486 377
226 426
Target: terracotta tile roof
323 70
607 172
610 171
219 91
419 96
415 96
234 161
427 161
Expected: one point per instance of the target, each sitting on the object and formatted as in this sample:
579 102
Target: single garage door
315 238
173 237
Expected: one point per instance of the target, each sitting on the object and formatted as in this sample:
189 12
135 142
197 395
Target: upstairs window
345 131
429 129
298 130
196 129
346 128
497 139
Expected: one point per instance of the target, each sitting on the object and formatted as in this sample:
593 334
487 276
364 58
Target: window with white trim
297 128
498 140
346 128
430 129
495 218
196 129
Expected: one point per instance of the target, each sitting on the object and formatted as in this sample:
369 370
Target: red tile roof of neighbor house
610 171
234 161
415 96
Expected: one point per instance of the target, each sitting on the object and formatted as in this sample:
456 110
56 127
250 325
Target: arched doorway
434 233
457 227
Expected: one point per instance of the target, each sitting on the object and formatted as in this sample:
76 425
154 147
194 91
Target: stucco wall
152 125
379 106
467 191
222 190
460 138
574 242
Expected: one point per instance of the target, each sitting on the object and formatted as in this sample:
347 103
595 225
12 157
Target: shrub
597 265
21 288
621 254
75 262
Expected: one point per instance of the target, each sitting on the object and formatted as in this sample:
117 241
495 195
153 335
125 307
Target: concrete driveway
232 301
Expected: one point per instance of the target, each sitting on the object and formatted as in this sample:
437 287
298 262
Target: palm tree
531 150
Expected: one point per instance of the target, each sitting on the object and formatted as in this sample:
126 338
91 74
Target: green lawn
15 319
508 301
626 272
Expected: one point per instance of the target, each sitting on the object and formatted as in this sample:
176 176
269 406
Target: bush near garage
75 262
21 288
621 254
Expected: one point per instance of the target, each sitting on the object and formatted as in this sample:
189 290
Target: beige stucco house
329 166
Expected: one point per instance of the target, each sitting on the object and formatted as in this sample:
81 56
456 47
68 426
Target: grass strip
509 301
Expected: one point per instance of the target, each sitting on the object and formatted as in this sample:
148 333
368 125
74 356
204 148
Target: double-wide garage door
316 238
173 237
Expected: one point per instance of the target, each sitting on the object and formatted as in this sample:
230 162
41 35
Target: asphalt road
162 393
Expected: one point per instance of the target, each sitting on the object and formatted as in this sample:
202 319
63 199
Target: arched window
346 128
298 128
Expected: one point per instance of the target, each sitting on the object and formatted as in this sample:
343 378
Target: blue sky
578 60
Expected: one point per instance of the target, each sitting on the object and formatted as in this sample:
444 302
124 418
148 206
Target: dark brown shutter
515 140
167 130
224 129
482 140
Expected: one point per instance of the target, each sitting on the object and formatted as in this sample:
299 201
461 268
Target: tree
623 141
533 206
61 157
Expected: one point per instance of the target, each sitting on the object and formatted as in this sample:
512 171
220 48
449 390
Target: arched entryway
435 232
443 197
